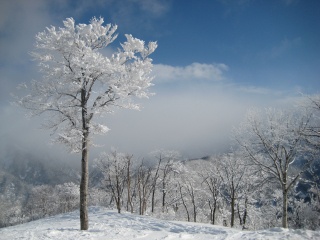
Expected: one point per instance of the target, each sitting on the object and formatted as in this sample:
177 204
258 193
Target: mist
195 119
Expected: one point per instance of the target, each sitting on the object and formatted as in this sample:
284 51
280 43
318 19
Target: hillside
106 224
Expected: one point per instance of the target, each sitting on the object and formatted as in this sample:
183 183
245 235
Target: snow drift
108 224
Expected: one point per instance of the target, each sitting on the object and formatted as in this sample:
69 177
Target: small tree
233 173
189 188
114 169
79 84
128 161
42 202
68 196
212 183
182 197
144 188
165 159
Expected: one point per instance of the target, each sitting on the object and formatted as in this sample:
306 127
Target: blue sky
216 59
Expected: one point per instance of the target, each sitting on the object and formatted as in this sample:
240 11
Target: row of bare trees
136 181
226 190
255 185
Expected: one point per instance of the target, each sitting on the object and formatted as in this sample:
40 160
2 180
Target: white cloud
194 71
259 90
195 119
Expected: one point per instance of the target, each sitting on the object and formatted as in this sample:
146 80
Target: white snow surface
108 224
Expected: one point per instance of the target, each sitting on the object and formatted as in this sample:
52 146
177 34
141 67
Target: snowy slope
106 224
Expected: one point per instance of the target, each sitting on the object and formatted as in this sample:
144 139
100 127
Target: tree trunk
232 210
194 210
84 222
119 193
239 214
154 185
245 214
285 209
183 202
284 200
129 200
140 193
152 198
118 202
163 195
212 211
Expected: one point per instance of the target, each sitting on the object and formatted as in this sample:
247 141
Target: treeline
223 190
220 190
269 178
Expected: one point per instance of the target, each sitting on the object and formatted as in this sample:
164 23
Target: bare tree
275 143
144 182
189 186
165 166
68 196
190 189
128 160
42 202
114 167
182 197
79 84
154 182
212 182
233 173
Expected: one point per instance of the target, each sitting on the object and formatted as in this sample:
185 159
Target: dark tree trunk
154 185
213 211
232 210
152 198
118 192
184 204
285 200
129 201
245 214
163 195
84 221
285 209
194 208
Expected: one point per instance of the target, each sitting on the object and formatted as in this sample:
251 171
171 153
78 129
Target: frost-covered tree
234 174
144 186
79 84
114 169
212 184
190 190
162 175
275 143
68 196
41 202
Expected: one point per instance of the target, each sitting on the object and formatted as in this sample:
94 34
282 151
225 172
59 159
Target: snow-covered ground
106 224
